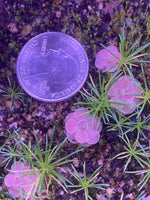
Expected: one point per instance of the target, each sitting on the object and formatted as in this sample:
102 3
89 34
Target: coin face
52 67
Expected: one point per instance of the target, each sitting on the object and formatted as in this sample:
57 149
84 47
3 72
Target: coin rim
45 99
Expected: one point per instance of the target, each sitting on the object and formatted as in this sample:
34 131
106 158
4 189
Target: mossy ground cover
91 23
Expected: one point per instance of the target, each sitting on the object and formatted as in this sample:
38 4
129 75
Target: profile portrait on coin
56 66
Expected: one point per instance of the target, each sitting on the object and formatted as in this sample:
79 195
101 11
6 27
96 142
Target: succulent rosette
105 60
17 183
125 91
81 128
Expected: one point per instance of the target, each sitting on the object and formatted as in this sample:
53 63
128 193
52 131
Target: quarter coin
52 67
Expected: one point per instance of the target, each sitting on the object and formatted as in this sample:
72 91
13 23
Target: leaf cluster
44 163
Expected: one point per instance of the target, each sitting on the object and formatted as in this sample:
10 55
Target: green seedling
86 183
140 126
96 100
120 122
44 161
13 92
129 57
135 151
127 124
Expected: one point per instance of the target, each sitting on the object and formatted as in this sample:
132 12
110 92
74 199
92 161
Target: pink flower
125 91
82 128
103 57
16 183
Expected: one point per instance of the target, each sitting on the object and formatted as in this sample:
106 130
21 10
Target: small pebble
22 5
110 191
131 182
86 155
76 162
100 6
58 14
26 30
62 193
14 125
12 28
29 117
136 4
121 184
130 196
38 20
1 118
100 162
89 7
100 196
10 119
49 133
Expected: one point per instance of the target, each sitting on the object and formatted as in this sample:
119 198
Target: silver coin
52 67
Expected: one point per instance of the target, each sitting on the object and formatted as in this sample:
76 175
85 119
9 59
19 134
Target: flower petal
9 179
83 125
72 139
103 59
14 192
93 137
71 126
80 114
81 137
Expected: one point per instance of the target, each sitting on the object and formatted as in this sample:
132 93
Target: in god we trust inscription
52 67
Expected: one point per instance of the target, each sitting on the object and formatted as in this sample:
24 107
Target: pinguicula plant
125 91
95 99
85 183
128 57
81 128
105 61
44 162
119 94
19 181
